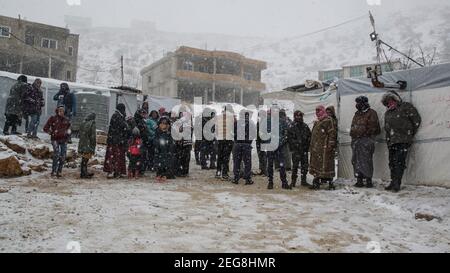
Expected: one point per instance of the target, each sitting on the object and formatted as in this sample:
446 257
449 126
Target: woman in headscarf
118 134
322 149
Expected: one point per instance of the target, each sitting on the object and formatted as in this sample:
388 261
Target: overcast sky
270 18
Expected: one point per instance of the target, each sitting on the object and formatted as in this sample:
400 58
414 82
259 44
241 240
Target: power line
307 34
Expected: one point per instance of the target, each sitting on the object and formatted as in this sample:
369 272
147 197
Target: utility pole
50 66
121 67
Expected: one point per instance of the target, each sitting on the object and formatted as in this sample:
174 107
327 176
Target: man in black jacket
244 134
299 139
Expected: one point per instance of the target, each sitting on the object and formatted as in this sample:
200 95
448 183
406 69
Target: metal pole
121 68
50 66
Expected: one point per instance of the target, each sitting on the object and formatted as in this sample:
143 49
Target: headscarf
321 112
362 103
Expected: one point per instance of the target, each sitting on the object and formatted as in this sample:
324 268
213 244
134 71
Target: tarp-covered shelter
97 99
429 91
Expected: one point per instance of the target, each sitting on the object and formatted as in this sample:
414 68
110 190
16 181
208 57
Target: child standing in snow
134 154
163 144
58 127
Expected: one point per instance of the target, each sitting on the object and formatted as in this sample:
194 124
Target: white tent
428 90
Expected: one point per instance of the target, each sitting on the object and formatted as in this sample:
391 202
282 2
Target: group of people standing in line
147 140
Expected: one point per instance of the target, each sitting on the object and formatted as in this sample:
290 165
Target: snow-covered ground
201 214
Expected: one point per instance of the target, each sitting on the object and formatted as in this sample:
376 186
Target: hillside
290 61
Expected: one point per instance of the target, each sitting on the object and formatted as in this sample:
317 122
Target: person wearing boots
87 144
13 109
244 134
118 133
141 124
278 153
58 127
401 123
135 154
262 155
163 145
322 149
299 139
32 107
365 127
152 125
66 98
184 157
207 149
225 137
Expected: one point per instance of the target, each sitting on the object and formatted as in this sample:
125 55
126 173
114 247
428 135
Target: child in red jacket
134 154
58 127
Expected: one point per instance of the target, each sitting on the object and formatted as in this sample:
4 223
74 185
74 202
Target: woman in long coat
322 149
118 134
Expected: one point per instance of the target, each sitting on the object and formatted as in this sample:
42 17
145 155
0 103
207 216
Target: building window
49 43
188 65
356 71
149 79
203 68
5 31
69 75
29 39
248 76
70 51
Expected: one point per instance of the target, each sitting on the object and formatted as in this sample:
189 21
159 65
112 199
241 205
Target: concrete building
356 71
217 76
37 49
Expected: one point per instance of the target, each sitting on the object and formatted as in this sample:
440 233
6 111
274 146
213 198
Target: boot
294 182
359 182
218 175
270 186
316 184
397 185
304 183
331 186
369 183
286 186
391 185
249 182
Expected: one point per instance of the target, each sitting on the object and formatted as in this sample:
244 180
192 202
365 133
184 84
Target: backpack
135 148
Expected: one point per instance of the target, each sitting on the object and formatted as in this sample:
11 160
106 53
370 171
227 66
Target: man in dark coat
87 144
365 127
262 155
14 106
207 150
58 127
32 107
117 141
225 141
244 135
67 99
184 145
299 139
278 153
401 123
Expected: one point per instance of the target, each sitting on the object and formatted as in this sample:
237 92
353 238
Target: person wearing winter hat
135 154
117 141
401 123
163 145
14 104
87 144
58 127
322 149
365 127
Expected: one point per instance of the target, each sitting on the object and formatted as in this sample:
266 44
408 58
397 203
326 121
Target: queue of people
147 140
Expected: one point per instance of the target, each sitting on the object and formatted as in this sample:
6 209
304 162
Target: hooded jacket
118 128
402 123
58 128
88 135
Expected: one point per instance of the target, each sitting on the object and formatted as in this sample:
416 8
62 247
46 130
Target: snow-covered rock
14 143
10 166
41 151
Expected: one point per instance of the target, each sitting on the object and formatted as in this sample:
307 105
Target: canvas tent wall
100 100
305 102
429 90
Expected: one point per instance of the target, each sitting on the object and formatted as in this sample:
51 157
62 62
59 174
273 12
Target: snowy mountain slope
290 61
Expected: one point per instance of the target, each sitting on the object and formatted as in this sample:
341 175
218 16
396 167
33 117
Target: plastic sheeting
429 91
